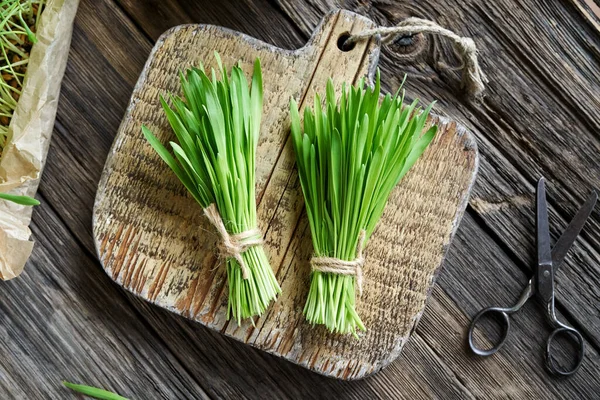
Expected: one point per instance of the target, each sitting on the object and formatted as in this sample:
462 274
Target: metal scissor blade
542 228
568 237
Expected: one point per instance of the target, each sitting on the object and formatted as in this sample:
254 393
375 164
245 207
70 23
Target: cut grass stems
18 24
350 155
217 128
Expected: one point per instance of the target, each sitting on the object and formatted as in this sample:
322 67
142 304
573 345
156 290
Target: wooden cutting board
153 240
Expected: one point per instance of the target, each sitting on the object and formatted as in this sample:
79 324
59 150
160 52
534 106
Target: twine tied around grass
473 79
233 245
334 265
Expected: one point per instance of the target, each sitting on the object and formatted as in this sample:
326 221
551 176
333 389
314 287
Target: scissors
541 285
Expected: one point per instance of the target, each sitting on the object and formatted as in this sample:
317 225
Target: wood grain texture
73 315
530 123
487 263
153 240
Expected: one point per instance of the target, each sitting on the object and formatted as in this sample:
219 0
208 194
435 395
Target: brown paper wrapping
30 131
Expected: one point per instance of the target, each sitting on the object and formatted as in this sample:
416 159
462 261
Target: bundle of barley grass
18 24
350 155
217 128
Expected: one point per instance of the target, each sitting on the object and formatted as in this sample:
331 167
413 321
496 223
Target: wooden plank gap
133 21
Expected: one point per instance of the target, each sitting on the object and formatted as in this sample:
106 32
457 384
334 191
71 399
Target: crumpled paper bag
30 131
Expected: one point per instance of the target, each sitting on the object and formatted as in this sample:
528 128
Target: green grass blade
418 149
256 104
94 392
170 161
22 200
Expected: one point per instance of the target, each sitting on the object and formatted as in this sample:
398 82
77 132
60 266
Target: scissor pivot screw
546 273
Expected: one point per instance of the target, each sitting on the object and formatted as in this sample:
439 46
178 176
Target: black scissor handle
576 337
505 323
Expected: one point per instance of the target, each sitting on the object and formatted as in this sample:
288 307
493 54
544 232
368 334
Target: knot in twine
342 267
233 245
473 78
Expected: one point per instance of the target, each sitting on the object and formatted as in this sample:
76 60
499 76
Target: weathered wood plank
154 17
76 169
210 357
271 377
70 182
495 121
509 213
152 239
93 99
525 126
63 320
592 6
478 275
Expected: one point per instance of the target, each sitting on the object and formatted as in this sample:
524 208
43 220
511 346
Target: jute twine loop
473 79
233 245
342 267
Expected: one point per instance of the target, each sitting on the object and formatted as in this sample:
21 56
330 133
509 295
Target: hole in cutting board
341 43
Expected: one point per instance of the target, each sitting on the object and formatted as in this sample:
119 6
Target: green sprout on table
22 200
93 392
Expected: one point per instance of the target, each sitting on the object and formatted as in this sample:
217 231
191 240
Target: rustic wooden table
65 319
